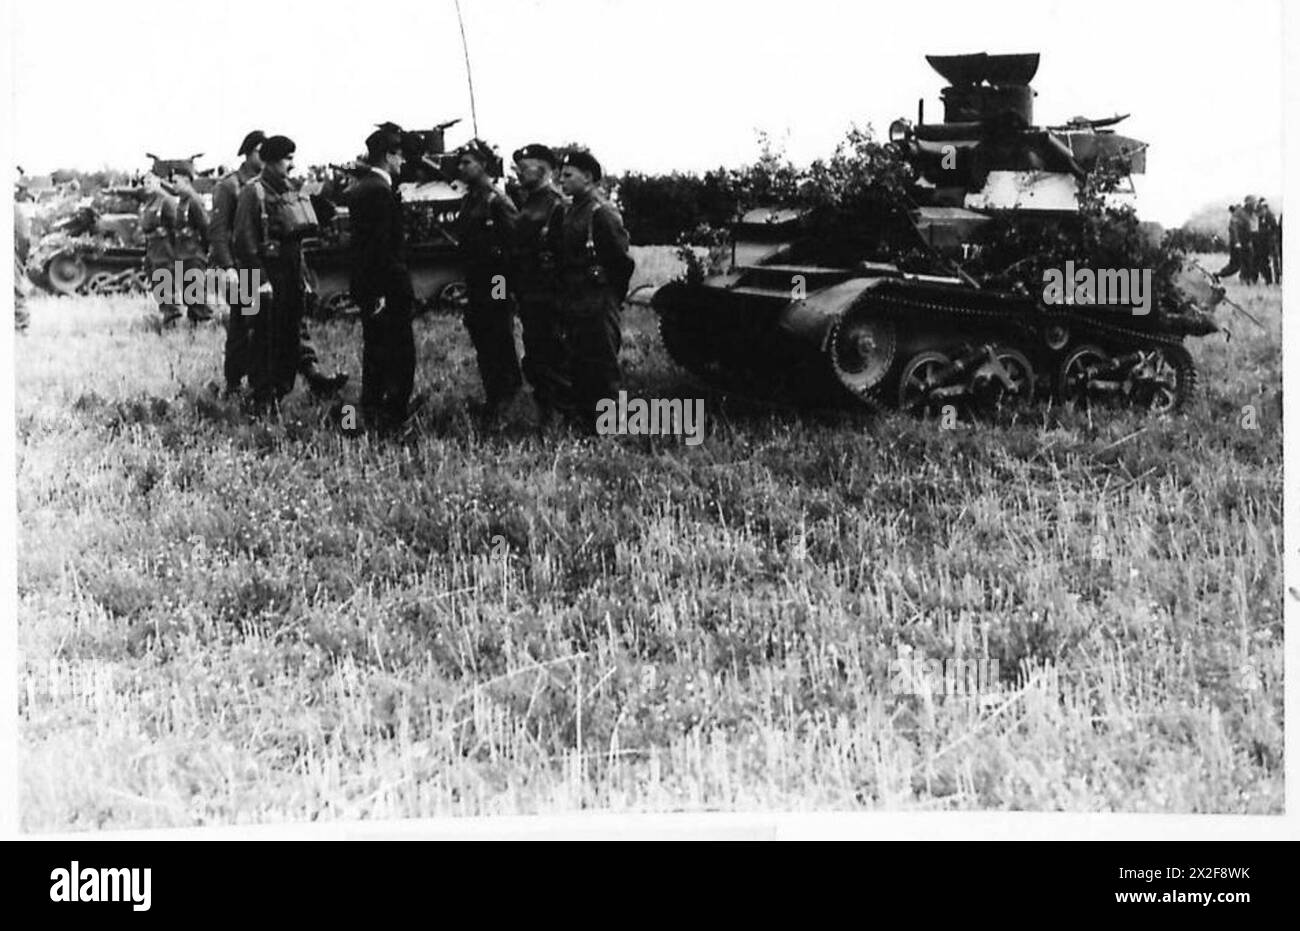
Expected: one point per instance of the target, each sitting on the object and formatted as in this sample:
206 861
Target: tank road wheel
917 380
66 272
1077 371
452 298
861 350
1164 380
1007 379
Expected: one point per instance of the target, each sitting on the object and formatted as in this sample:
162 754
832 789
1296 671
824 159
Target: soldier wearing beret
225 200
272 217
175 228
381 283
536 286
485 230
595 268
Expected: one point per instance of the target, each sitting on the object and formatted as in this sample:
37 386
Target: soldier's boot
325 386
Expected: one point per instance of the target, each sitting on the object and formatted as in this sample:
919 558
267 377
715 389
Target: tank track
945 323
1023 332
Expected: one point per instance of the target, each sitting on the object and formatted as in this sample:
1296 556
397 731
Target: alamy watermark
915 674
626 416
86 884
234 287
1124 287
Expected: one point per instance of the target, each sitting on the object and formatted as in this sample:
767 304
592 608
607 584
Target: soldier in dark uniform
485 230
595 269
175 227
225 200
271 219
536 285
381 283
1266 244
1239 256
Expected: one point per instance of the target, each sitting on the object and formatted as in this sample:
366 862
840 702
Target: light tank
791 313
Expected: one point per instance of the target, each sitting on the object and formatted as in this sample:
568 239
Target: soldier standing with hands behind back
595 268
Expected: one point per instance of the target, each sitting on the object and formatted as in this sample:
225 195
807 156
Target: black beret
584 161
381 142
482 153
251 142
389 126
538 151
277 147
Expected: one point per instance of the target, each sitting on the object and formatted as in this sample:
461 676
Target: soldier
175 227
535 283
271 219
1249 236
1266 245
1238 235
381 284
485 229
225 200
595 267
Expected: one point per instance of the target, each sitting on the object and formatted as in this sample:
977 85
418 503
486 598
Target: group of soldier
557 255
1254 242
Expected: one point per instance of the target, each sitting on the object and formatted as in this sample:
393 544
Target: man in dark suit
381 283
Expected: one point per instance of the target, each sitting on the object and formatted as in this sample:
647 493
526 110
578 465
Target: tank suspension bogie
1159 378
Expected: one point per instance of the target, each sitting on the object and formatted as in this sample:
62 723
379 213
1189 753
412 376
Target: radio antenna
469 72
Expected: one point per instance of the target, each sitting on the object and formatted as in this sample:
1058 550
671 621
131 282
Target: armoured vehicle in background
430 202
98 247
794 312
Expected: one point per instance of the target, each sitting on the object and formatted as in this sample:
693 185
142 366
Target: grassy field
224 621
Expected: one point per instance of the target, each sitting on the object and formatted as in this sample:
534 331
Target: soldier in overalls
175 228
595 269
485 230
271 219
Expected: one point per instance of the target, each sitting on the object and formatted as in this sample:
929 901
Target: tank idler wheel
921 377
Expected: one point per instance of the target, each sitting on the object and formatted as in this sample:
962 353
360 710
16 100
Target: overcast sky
655 86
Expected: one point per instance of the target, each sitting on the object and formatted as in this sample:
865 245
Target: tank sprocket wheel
917 378
861 350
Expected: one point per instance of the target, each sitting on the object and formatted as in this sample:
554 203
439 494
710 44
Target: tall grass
226 621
